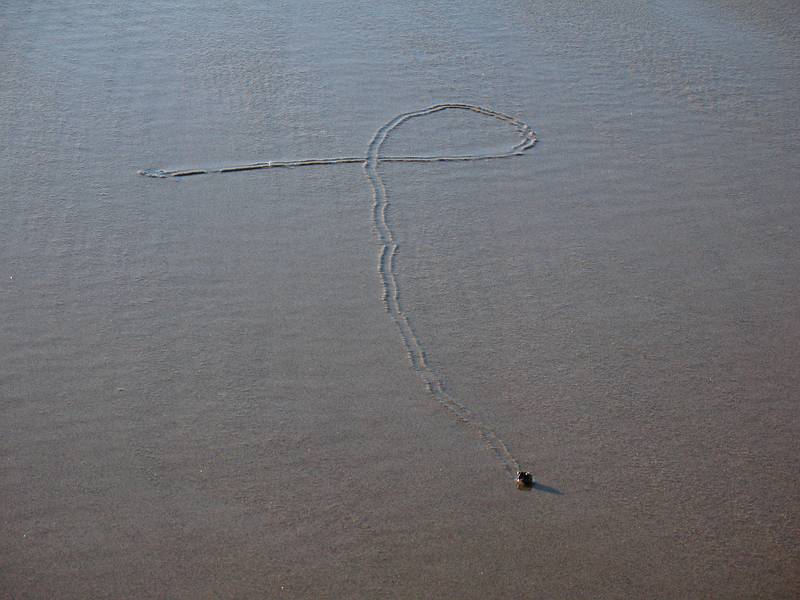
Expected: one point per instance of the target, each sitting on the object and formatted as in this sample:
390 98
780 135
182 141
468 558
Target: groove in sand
387 258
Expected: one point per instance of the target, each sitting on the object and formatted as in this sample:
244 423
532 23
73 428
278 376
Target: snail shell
525 480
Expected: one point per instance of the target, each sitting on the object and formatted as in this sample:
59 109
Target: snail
525 480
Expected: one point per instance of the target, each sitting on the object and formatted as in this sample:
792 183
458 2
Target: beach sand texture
204 394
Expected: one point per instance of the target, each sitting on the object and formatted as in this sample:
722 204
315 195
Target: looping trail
387 259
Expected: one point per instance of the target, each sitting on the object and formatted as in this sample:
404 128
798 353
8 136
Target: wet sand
203 395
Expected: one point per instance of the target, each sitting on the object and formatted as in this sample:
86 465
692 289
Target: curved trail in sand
387 260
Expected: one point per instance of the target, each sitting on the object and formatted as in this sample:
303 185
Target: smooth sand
201 395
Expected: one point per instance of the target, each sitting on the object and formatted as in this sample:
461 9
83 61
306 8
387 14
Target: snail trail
387 260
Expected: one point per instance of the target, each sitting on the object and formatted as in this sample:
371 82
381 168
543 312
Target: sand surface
203 396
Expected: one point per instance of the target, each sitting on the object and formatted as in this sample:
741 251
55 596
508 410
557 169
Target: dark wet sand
202 396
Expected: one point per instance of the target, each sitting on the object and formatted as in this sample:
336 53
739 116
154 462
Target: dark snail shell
525 480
